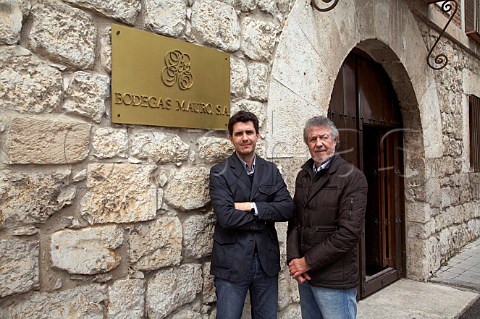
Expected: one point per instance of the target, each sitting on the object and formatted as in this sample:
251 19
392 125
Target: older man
331 197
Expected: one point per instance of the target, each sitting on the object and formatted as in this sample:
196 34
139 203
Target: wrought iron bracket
441 59
330 7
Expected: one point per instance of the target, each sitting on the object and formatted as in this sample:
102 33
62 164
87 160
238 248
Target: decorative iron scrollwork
330 7
441 59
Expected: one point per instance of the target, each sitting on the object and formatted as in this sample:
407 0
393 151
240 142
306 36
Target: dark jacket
329 221
237 232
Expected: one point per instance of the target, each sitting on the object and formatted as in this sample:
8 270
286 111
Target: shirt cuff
254 209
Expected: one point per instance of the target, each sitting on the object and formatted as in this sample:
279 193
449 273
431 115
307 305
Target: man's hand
245 206
298 269
302 278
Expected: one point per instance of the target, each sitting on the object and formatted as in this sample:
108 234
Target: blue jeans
326 303
263 294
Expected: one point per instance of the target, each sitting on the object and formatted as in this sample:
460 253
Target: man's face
320 143
244 138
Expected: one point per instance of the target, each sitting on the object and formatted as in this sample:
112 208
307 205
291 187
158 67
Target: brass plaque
166 82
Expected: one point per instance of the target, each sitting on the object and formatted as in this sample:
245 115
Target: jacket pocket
331 187
223 250
267 189
225 238
266 192
312 236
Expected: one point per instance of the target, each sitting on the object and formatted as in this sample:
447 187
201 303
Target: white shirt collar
249 170
316 170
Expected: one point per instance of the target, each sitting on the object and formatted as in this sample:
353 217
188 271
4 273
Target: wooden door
365 109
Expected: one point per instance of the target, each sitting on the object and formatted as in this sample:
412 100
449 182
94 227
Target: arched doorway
366 111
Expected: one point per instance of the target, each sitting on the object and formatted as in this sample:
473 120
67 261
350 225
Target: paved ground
462 270
453 293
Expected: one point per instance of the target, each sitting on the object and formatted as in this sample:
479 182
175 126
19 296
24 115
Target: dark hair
242 116
319 121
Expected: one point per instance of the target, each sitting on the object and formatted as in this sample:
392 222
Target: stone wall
99 220
112 221
453 218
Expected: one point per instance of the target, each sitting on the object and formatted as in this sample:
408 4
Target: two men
248 196
330 198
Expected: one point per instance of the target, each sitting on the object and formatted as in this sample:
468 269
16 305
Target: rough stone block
269 6
292 311
157 244
158 147
258 39
417 259
126 299
198 235
108 142
86 95
216 23
172 288
27 84
168 17
106 49
33 197
119 193
47 141
214 149
125 10
208 285
238 77
251 106
191 183
19 266
68 35
258 75
11 20
421 231
87 251
417 212
86 302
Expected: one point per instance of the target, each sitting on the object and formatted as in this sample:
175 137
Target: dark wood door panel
376 99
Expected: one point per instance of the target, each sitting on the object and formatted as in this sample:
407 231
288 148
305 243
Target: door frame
351 121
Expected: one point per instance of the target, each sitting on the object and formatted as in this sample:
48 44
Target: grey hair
319 121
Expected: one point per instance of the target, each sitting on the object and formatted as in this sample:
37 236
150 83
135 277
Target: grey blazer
237 232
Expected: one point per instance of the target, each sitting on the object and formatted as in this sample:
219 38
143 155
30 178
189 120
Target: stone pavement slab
408 299
463 269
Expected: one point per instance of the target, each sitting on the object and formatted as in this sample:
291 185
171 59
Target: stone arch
311 50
